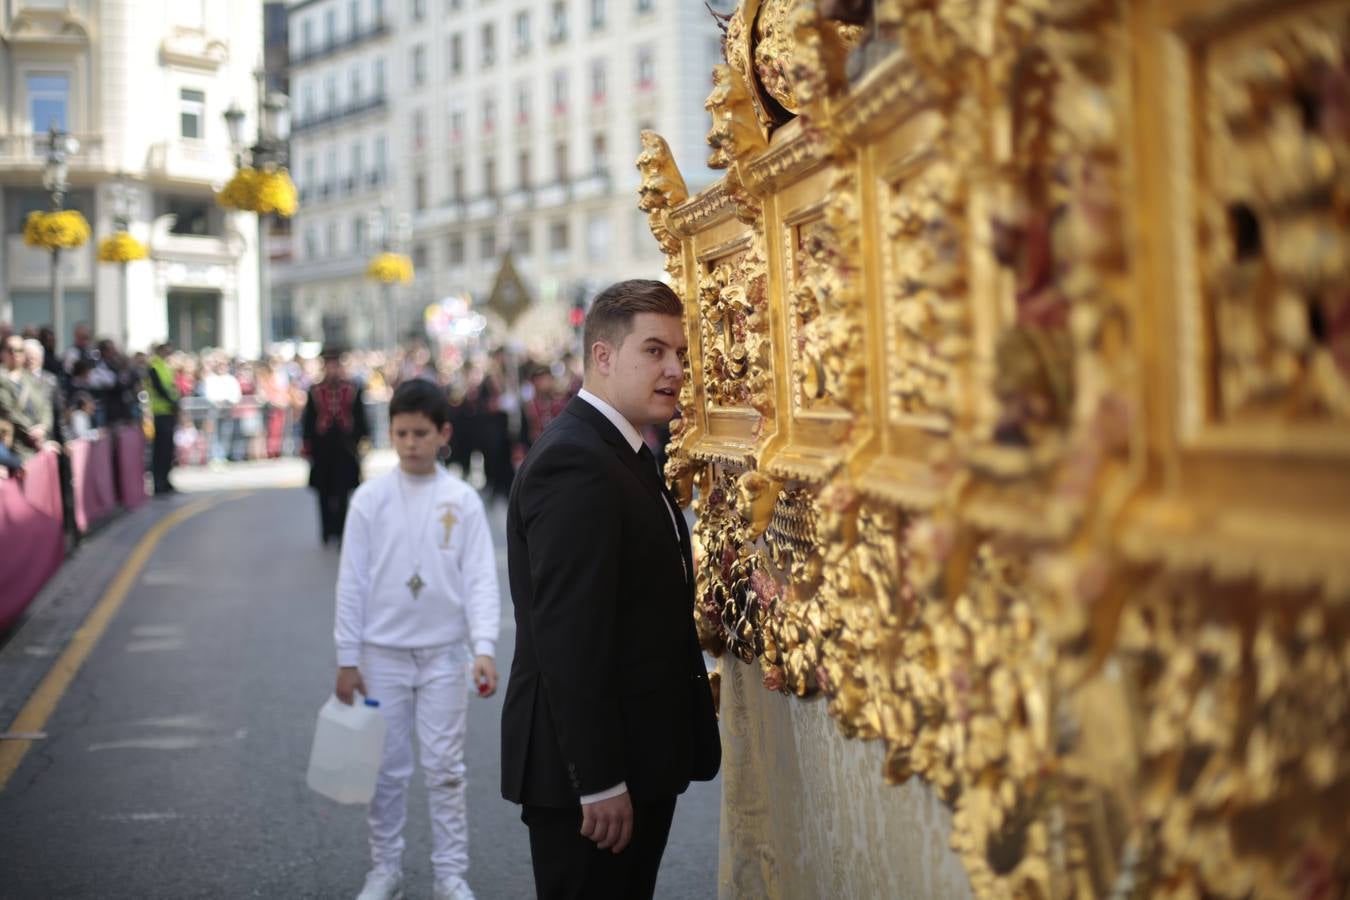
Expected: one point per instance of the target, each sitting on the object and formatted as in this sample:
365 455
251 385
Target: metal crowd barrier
252 429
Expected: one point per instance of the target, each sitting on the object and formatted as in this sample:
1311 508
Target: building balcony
555 194
279 247
204 248
342 113
29 151
189 160
593 185
354 39
483 207
345 186
518 200
31 267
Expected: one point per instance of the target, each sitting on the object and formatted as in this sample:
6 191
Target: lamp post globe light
234 126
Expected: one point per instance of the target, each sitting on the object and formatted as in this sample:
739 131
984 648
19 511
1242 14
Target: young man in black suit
608 716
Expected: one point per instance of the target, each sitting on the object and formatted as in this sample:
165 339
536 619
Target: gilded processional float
1018 433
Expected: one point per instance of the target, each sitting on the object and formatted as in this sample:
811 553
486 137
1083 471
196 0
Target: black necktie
649 470
650 474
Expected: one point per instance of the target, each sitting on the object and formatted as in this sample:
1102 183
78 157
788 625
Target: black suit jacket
608 682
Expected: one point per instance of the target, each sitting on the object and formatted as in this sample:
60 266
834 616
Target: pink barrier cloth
93 478
131 466
32 543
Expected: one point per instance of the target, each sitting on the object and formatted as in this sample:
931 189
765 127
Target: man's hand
608 822
349 681
485 675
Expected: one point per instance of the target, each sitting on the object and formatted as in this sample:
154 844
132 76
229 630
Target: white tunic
436 521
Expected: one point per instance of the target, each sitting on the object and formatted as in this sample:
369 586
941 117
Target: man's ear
446 430
602 354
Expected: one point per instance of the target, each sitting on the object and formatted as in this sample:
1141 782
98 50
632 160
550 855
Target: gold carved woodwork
826 305
1016 419
734 325
1277 266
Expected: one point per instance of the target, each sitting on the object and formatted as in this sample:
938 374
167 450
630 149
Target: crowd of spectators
234 409
48 399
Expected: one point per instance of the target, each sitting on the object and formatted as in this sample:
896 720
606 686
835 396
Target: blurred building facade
142 85
456 130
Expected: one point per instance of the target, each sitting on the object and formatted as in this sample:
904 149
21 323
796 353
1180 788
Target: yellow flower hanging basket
60 230
391 267
120 247
260 191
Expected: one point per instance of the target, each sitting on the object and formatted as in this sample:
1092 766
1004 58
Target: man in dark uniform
333 426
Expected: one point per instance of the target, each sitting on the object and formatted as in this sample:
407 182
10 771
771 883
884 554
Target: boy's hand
349 681
485 675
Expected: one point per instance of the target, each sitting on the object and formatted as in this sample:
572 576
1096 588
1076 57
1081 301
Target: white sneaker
453 888
382 884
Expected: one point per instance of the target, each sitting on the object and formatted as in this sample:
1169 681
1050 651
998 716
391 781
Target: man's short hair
417 395
610 318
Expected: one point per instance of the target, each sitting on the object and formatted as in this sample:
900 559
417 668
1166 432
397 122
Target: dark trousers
161 453
568 866
333 512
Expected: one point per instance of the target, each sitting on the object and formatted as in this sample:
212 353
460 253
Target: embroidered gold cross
448 522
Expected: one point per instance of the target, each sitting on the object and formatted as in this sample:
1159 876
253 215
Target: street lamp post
402 240
389 242
60 146
270 151
390 233
123 208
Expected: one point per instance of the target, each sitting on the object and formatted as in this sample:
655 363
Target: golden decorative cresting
1018 418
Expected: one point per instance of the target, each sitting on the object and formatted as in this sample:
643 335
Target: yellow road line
35 713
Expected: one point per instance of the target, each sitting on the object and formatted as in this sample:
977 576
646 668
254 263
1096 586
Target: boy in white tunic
417 587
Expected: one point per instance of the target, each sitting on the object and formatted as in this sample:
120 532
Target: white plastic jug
348 742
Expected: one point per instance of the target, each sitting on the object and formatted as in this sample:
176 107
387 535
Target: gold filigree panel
926 306
1275 244
1052 315
1279 261
826 323
734 328
967 312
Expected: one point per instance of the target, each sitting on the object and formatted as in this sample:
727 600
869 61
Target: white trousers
429 686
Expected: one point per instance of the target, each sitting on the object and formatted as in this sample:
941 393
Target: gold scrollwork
731 136
1279 249
1106 718
829 367
1243 725
928 330
734 330
1057 233
662 188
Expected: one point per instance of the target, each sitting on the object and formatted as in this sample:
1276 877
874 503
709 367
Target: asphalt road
174 764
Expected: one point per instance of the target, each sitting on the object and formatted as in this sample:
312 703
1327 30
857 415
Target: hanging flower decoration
60 230
391 267
261 191
120 247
